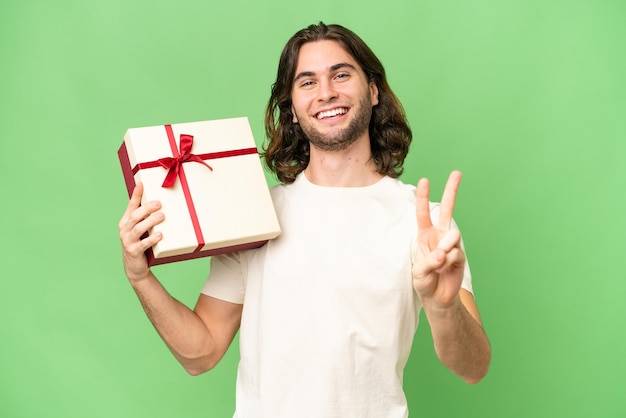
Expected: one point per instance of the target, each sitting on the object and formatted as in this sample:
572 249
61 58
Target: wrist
138 278
434 308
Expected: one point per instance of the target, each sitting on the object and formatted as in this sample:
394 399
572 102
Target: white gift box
208 177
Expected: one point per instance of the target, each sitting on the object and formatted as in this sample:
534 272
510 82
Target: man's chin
331 144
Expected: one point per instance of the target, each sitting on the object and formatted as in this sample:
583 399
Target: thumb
451 239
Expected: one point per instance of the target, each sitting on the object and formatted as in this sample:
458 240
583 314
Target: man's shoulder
280 193
398 189
407 191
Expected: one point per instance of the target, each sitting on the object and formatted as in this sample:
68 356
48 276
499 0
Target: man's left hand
439 262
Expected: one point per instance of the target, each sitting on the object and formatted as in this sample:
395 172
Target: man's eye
342 76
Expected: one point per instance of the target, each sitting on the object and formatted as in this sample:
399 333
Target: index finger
422 205
448 200
135 201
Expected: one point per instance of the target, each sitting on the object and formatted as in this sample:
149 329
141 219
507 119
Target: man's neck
353 167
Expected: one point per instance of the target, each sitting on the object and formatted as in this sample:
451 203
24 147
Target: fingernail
155 203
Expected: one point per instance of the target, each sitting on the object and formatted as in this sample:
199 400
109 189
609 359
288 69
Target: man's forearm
460 341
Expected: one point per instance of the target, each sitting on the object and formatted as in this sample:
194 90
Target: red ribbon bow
173 164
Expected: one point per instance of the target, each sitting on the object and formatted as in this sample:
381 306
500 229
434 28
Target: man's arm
198 338
460 341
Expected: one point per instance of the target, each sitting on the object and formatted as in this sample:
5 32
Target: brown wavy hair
287 152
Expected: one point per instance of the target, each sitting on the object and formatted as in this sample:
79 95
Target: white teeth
332 112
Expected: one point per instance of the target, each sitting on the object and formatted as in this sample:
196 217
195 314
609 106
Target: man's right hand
135 222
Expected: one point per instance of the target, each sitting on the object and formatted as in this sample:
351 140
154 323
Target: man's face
331 97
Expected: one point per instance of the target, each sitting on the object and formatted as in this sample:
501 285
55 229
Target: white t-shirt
329 310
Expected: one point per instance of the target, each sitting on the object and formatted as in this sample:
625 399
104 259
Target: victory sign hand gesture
439 261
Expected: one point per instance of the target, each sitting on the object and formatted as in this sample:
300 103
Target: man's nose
327 91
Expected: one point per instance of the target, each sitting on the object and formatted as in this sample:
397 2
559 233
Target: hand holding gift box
209 180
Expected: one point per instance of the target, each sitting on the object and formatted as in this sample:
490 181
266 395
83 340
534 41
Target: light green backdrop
527 98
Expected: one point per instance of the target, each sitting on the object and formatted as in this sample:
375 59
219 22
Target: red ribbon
174 165
201 157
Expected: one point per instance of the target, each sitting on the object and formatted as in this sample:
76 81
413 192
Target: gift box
209 180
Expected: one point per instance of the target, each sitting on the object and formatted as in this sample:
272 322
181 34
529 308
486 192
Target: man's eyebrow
342 65
303 74
332 69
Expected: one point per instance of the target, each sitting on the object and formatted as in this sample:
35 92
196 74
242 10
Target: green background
526 97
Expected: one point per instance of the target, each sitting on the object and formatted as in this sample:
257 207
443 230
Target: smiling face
331 96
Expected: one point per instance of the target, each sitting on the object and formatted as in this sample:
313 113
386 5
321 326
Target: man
328 310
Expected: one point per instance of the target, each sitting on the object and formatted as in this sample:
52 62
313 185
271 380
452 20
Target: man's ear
374 93
295 118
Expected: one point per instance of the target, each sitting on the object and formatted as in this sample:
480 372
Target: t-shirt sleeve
467 275
226 278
